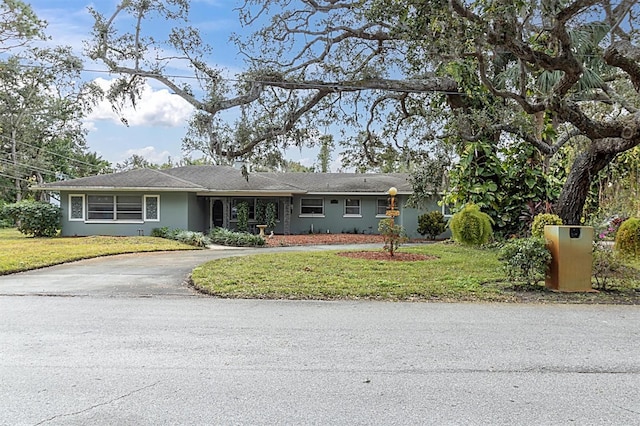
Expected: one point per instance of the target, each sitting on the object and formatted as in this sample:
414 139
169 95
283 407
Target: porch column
286 220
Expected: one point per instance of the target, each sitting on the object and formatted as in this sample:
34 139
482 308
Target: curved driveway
128 275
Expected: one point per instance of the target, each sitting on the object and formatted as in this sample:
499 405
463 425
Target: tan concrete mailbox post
571 257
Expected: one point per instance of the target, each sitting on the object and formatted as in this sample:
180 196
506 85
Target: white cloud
155 108
148 153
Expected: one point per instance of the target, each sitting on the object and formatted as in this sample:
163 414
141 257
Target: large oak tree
550 73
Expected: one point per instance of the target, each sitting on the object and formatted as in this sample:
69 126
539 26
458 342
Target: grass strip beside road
19 253
458 273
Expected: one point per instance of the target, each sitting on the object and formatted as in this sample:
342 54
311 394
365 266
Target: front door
217 213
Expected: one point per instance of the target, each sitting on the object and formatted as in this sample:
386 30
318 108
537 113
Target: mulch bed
383 255
321 239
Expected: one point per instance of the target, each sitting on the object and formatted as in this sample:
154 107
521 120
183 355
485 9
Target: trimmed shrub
471 226
226 237
539 222
526 259
628 238
431 224
34 217
163 232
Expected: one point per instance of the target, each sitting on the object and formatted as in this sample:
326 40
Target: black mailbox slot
574 232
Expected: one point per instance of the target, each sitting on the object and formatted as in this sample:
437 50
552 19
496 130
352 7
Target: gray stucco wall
335 221
174 213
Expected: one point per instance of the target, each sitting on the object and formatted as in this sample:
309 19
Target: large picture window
114 207
312 206
352 207
253 203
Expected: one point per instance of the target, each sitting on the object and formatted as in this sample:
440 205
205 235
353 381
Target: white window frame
359 206
84 208
444 211
311 214
144 208
386 207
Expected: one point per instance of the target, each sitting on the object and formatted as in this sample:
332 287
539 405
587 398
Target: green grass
20 253
458 273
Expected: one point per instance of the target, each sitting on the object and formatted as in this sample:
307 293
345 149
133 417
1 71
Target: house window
382 205
234 207
128 207
119 207
446 210
76 207
152 208
312 206
100 207
352 207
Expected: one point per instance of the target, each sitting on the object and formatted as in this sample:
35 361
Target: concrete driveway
135 346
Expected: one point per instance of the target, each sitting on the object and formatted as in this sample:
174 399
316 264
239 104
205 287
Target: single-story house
198 198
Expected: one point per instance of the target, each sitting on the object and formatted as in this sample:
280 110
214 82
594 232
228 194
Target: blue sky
158 124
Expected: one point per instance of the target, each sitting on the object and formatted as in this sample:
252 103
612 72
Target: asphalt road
122 340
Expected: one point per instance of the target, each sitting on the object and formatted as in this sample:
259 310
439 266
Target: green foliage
270 215
503 181
34 218
261 212
526 259
226 237
192 238
243 216
539 222
163 232
609 268
431 224
628 238
393 234
471 226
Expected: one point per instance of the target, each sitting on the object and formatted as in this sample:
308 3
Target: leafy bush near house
526 259
34 217
163 232
226 237
196 239
539 222
608 268
431 224
470 226
628 238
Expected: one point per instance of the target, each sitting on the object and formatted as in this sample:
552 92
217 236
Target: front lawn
20 253
456 274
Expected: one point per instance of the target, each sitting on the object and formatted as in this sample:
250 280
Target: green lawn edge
19 253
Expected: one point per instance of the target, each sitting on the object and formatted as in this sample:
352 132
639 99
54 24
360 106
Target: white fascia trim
117 189
353 194
210 193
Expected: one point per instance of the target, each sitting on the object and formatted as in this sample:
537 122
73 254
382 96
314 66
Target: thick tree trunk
574 193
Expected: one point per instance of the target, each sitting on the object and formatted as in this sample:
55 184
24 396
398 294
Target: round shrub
539 222
628 237
471 226
431 224
34 217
